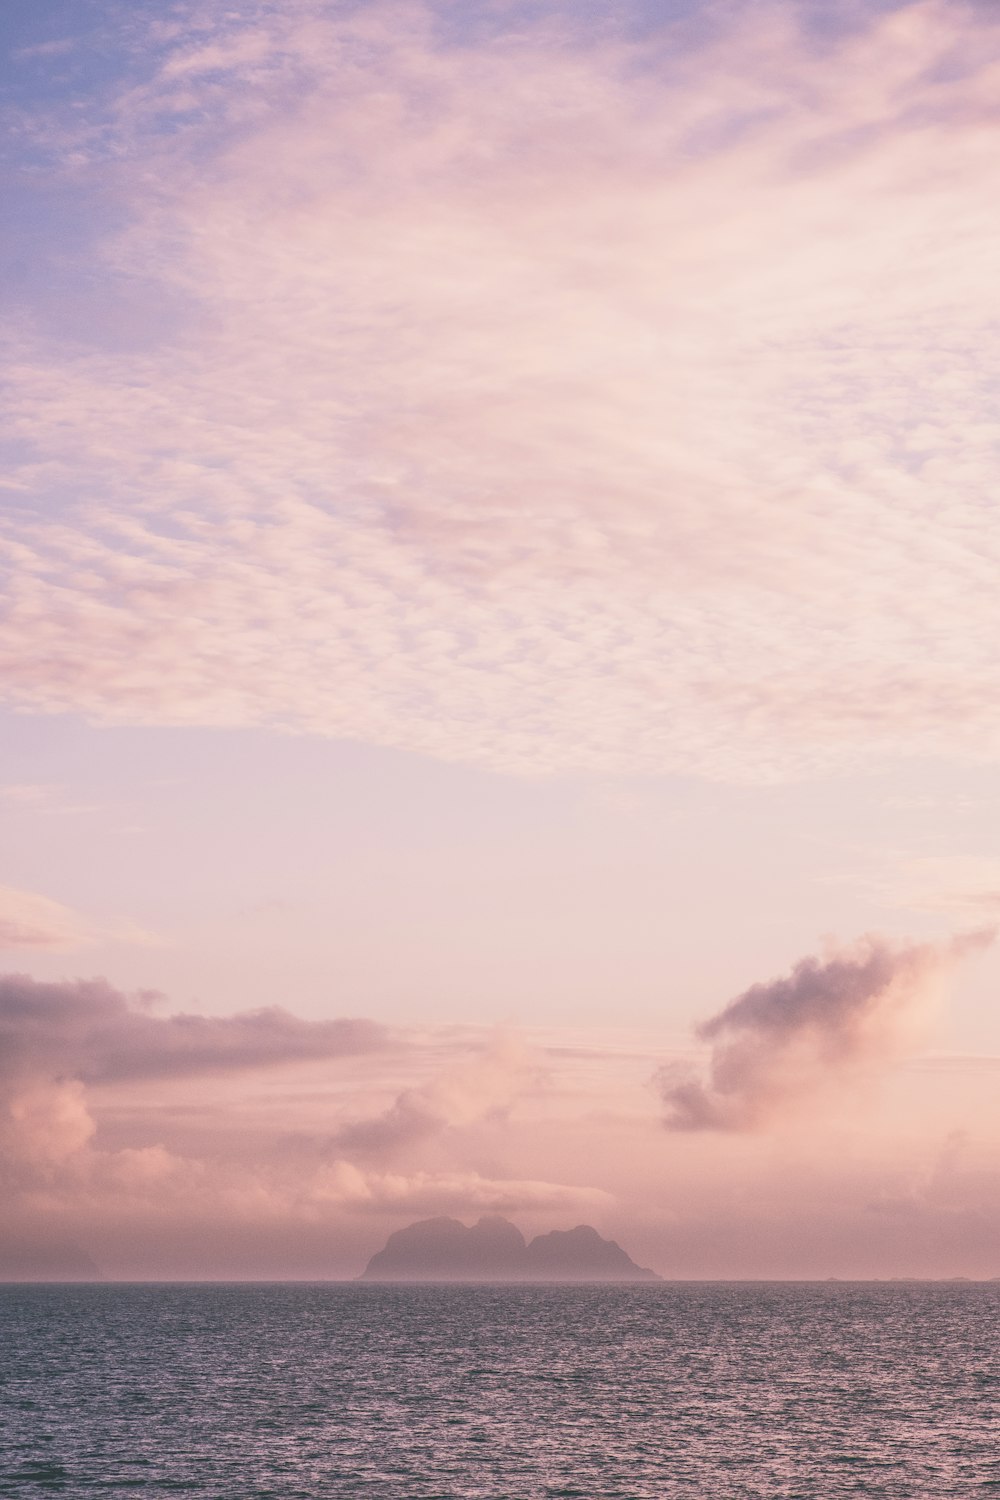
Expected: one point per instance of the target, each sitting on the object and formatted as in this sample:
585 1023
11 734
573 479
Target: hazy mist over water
454 1392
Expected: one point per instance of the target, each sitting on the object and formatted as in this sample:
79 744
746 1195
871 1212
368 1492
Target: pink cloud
540 404
783 1044
166 1171
28 920
32 921
90 1030
74 1151
483 1085
80 1169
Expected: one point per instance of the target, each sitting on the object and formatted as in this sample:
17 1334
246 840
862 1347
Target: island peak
494 1249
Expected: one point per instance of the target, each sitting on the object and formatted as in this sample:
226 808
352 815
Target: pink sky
499 549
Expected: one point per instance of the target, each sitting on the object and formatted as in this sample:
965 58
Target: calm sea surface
379 1391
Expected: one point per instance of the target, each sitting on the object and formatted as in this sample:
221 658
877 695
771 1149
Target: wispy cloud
955 885
562 400
27 793
29 920
442 1192
58 47
829 1021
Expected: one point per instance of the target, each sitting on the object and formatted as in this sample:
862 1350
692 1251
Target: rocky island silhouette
494 1249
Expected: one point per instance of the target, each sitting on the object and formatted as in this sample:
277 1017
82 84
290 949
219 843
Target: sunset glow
501 698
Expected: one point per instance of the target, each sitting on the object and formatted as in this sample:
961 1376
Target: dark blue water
641 1392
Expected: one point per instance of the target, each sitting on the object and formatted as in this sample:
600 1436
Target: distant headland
494 1249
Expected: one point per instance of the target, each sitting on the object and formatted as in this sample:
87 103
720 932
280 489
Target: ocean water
507 1392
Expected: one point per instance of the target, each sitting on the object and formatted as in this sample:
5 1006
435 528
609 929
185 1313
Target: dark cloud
827 1019
88 1030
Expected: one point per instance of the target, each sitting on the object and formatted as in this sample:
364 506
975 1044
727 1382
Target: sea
501 1392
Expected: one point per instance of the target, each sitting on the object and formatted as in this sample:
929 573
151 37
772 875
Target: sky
500 705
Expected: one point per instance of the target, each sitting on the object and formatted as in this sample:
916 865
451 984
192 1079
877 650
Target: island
494 1249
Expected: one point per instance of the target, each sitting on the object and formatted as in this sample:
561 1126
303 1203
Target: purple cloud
827 1020
89 1030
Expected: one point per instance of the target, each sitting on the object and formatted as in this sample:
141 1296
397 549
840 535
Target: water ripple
376 1392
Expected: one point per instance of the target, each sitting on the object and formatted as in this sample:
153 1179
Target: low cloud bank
827 1021
85 1186
56 1038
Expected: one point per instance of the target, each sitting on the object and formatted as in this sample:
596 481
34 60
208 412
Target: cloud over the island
830 1020
481 1085
121 1126
425 355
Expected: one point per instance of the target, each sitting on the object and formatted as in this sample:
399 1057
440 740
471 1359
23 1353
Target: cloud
958 885
346 1183
44 1123
778 1044
485 1085
58 47
94 1032
533 395
28 920
90 1152
58 1038
71 1054
238 1172
27 793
